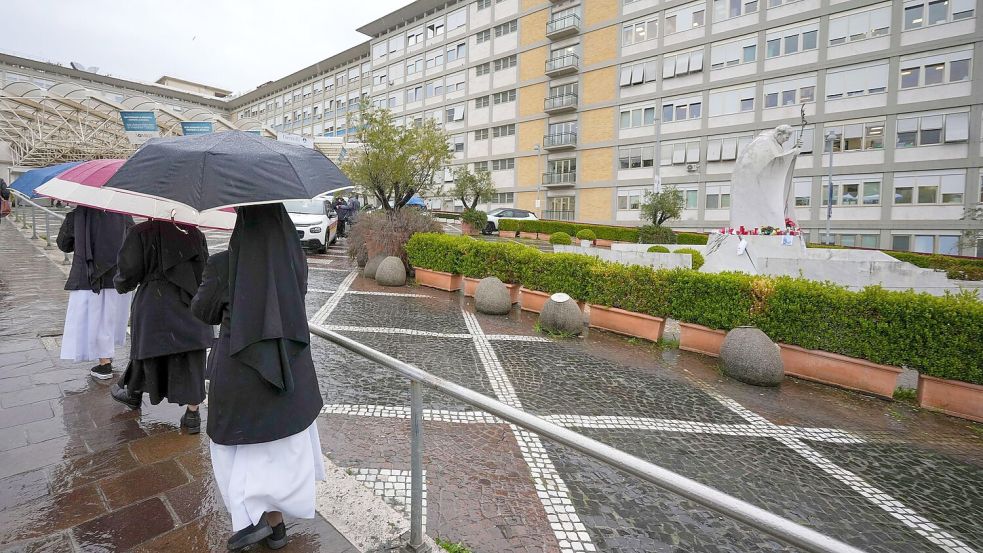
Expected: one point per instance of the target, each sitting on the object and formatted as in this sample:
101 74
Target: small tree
396 162
473 187
663 205
971 237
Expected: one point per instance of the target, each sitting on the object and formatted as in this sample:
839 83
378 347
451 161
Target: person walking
341 208
263 393
95 322
353 207
4 199
164 262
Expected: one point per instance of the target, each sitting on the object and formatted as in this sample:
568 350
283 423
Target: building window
456 52
456 20
923 14
502 164
726 9
503 97
435 59
792 41
506 62
803 192
717 197
860 26
630 200
414 66
638 73
677 65
414 37
855 137
455 113
679 153
726 148
948 68
735 52
379 50
927 130
481 102
481 166
484 4
457 143
685 18
636 157
503 198
435 28
790 92
856 80
867 192
637 117
681 111
731 101
691 196
640 31
928 188
481 134
506 28
483 36
482 69
503 130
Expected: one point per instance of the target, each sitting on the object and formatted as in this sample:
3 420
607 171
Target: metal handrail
756 517
21 197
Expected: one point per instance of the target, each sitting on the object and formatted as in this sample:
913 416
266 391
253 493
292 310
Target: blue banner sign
189 128
140 126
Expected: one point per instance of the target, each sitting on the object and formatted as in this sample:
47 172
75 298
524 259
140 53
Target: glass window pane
874 137
937 11
667 112
848 240
810 40
850 194
924 244
788 97
928 194
695 110
868 241
949 245
903 194
901 243
930 136
680 112
910 77
774 48
934 73
712 200
691 199
771 100
913 17
872 193
747 104
791 44
749 53
958 71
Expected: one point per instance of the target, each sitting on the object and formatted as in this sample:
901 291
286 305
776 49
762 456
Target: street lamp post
539 183
830 137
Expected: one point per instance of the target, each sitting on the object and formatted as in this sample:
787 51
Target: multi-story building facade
579 107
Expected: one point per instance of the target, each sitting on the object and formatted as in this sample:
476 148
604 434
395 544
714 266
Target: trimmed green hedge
658 249
601 232
697 257
691 238
560 238
940 336
508 225
586 234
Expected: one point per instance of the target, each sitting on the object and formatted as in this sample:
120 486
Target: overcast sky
232 44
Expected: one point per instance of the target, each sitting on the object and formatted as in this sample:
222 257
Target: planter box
840 370
952 397
529 235
470 285
439 280
700 339
627 322
601 243
467 229
532 300
515 292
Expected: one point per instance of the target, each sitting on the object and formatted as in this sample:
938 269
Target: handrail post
47 231
416 544
34 223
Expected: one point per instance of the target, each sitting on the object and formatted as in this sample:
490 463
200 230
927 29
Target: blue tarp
416 200
26 183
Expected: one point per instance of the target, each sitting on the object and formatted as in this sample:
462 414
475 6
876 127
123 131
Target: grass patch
551 333
452 547
907 395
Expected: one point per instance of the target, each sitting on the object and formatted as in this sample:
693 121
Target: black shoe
249 535
102 372
122 395
191 420
278 538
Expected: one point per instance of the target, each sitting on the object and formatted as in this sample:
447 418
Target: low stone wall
626 247
654 260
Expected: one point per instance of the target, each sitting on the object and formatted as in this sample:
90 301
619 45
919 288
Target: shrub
504 260
629 287
508 225
651 234
715 300
437 252
697 257
387 232
529 226
559 272
447 215
691 238
658 249
475 217
560 238
957 268
586 234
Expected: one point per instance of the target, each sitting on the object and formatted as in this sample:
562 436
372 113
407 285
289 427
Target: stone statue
760 189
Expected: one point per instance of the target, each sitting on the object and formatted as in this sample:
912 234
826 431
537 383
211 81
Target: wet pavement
77 472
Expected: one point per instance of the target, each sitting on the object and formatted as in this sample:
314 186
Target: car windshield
497 211
312 207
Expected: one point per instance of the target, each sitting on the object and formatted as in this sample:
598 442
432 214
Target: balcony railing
562 65
560 140
558 215
563 26
559 178
560 102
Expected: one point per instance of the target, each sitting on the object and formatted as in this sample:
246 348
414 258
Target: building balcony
560 141
566 178
563 26
562 65
560 103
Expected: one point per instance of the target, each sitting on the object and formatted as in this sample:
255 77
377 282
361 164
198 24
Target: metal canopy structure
68 122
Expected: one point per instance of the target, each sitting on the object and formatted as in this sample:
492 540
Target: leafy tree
663 205
473 187
972 236
395 162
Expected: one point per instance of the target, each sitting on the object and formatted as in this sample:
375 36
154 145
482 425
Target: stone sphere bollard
749 355
391 272
492 297
561 315
372 265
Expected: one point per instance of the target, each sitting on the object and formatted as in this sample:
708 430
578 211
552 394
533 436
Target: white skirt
271 476
95 324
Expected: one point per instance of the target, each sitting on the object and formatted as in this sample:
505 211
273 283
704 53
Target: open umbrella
226 169
83 185
26 183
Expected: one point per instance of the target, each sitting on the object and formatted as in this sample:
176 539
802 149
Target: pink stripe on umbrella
93 173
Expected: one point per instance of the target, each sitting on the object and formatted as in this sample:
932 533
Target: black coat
95 237
263 386
166 262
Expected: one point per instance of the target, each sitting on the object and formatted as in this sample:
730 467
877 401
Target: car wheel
489 228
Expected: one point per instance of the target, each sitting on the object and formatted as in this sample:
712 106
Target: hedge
561 239
697 257
691 239
586 234
658 249
602 232
956 268
940 336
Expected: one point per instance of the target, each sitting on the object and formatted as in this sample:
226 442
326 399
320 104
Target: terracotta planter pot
840 370
700 339
470 285
529 235
952 397
532 300
627 322
437 279
515 292
467 229
601 243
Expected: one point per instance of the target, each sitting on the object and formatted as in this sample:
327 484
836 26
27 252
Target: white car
316 222
507 213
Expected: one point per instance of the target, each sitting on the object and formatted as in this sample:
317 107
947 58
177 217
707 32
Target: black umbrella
227 169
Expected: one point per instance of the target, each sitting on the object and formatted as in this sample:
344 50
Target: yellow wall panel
531 99
601 45
596 125
530 4
528 134
532 27
599 85
526 200
595 165
532 63
594 205
528 173
596 11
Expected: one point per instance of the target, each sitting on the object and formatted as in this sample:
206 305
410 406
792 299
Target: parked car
506 213
316 223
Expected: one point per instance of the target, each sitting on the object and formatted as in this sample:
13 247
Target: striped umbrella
83 185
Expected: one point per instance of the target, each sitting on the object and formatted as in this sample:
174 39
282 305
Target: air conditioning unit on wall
691 168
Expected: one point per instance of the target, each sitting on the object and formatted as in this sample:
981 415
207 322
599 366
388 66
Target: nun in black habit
95 322
263 392
167 351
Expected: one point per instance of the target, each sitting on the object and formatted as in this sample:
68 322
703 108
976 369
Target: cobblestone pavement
79 472
879 475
